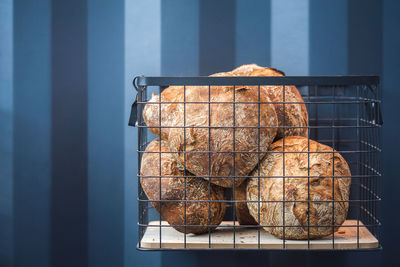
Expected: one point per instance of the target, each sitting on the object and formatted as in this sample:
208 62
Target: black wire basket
344 114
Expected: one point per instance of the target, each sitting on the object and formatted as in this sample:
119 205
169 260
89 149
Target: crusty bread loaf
152 114
242 211
196 139
322 216
246 69
173 188
293 113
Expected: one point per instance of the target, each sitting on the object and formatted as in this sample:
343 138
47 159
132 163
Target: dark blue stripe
391 145
365 37
69 134
328 37
217 36
253 32
365 57
106 132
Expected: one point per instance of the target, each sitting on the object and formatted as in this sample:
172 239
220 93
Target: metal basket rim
339 80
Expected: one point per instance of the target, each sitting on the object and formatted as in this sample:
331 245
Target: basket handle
133 117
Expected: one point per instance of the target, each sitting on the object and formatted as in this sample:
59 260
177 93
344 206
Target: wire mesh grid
343 114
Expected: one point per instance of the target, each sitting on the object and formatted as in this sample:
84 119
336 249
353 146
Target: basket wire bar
283 170
333 167
258 168
343 113
209 164
184 158
159 149
233 163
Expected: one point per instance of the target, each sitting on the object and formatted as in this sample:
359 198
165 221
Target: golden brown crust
296 189
219 139
173 188
295 114
242 211
291 114
247 69
152 114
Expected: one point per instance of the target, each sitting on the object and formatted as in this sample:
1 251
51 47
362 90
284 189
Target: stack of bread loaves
213 142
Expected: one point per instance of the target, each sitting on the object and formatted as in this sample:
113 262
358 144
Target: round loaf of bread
246 69
198 214
216 141
242 211
152 113
294 113
306 179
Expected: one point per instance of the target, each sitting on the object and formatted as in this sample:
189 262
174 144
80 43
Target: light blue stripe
106 132
32 124
6 133
180 48
290 36
142 57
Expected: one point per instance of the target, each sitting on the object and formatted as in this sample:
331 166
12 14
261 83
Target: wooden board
247 238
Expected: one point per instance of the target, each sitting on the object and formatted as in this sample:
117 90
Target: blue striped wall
106 100
253 32
69 133
217 36
182 15
391 146
328 37
68 184
142 56
6 133
290 36
32 132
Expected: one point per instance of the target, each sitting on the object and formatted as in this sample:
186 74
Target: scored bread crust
293 113
322 215
173 188
226 160
152 114
245 70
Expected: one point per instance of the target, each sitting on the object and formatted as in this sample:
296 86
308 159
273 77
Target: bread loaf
173 192
242 211
246 69
152 114
322 213
197 139
293 113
